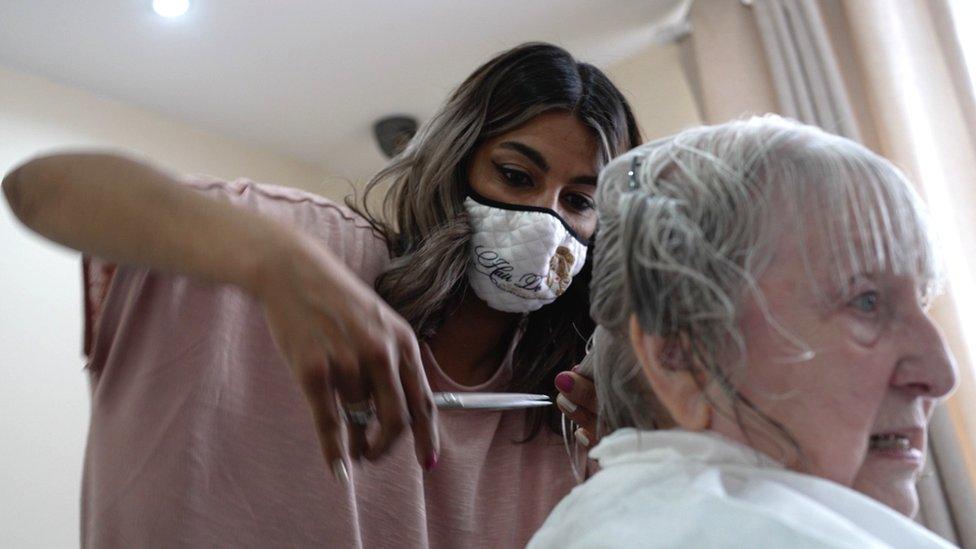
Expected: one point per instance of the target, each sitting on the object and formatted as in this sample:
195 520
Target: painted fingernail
565 405
564 382
576 368
431 462
581 438
340 472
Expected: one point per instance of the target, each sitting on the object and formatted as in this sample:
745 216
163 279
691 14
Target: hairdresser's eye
514 177
866 302
579 202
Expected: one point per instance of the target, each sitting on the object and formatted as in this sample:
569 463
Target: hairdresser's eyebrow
528 152
536 158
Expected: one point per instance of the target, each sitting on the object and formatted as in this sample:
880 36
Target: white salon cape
677 488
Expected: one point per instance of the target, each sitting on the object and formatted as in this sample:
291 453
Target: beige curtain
889 73
805 73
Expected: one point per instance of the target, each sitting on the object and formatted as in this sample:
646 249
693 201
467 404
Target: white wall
653 82
43 390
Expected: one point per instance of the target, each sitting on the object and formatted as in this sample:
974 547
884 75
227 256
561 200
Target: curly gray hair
687 224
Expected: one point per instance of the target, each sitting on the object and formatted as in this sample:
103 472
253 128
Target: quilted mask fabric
521 257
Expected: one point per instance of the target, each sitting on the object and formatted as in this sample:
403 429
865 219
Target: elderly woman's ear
678 386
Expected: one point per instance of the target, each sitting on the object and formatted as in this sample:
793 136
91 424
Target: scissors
489 401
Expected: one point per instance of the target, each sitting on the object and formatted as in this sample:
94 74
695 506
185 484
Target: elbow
14 193
29 186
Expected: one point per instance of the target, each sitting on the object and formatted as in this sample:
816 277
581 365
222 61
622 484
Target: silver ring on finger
359 413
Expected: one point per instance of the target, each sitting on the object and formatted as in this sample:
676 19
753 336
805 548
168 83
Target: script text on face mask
498 268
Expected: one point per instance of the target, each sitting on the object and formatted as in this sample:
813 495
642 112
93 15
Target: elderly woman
763 356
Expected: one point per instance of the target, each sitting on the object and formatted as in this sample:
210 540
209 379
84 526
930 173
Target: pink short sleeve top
199 436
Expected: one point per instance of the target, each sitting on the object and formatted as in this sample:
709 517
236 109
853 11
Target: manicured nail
340 472
565 405
431 462
564 382
581 438
576 368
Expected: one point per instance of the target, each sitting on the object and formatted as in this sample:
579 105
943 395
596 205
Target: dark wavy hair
422 218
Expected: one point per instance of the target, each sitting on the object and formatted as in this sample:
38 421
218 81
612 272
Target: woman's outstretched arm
123 210
342 342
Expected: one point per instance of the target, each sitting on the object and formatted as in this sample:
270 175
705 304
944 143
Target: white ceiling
305 78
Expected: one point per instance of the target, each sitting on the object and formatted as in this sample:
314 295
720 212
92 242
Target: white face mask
521 257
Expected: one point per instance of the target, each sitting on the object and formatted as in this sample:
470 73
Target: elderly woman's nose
927 366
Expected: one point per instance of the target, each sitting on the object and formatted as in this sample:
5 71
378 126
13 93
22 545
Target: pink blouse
200 438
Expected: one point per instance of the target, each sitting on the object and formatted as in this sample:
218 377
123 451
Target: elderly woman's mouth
902 445
890 441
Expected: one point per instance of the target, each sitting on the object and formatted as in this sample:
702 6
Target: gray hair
688 223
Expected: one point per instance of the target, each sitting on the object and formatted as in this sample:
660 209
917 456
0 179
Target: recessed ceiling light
171 8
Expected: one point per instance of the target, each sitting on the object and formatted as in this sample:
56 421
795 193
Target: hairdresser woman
219 314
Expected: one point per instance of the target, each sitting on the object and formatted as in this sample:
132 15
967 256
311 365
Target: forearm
123 210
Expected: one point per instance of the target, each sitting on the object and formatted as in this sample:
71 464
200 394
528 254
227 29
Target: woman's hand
577 400
346 348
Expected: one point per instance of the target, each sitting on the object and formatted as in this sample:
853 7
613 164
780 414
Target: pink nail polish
564 382
431 462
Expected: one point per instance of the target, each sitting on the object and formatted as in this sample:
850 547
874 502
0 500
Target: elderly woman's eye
866 302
